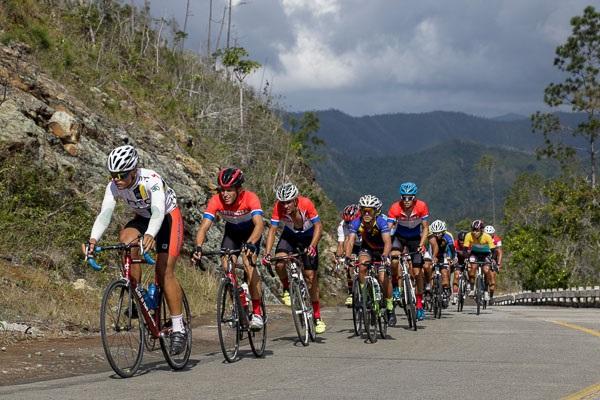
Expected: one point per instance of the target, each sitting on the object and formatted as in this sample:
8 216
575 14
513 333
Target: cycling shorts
169 238
480 257
234 238
290 243
412 245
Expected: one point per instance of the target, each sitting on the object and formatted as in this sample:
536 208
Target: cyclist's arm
424 233
259 227
103 219
270 239
499 255
387 244
202 231
157 208
341 240
350 244
435 249
317 233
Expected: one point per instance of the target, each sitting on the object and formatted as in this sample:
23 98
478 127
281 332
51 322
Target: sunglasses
120 176
285 203
408 198
369 210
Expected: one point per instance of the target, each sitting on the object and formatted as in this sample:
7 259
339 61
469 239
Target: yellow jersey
483 244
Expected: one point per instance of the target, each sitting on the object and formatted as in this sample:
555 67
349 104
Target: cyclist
157 218
480 246
376 244
302 230
351 212
243 216
496 256
409 216
442 245
457 268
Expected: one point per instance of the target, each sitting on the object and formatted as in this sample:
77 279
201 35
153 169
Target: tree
232 57
579 58
304 141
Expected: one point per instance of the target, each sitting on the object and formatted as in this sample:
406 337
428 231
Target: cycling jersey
343 231
149 197
308 214
497 241
371 236
237 216
408 226
483 244
445 246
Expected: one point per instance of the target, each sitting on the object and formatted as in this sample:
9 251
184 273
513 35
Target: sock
389 304
256 307
419 301
316 309
177 321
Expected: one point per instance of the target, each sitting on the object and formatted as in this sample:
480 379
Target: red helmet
230 177
351 211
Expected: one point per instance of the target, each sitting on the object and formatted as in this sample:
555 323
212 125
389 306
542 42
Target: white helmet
286 192
437 226
122 159
489 229
370 201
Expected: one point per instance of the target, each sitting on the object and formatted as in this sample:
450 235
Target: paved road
505 353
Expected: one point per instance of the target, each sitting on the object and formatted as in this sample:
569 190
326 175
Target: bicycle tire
368 315
479 293
382 321
118 302
461 294
258 339
410 304
312 333
228 320
438 297
175 361
298 313
357 316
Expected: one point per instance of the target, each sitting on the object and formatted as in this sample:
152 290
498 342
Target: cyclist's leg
134 228
364 257
254 283
395 268
285 246
168 245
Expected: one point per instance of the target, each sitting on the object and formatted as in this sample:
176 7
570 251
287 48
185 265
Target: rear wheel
479 293
410 303
228 321
121 330
382 320
298 314
258 339
357 314
438 304
369 316
176 361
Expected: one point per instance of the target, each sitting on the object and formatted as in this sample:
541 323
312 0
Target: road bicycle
234 311
480 285
408 290
372 303
437 295
301 305
463 280
124 335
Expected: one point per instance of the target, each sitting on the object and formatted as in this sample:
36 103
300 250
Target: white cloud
316 7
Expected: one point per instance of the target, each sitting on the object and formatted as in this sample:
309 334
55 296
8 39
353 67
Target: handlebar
120 246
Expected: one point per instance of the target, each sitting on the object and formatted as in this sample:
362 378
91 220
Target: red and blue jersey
237 215
408 223
308 214
371 235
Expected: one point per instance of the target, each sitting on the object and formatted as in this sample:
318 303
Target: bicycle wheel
382 321
308 310
228 321
479 293
258 339
357 314
176 361
410 303
438 298
122 332
461 294
298 314
369 317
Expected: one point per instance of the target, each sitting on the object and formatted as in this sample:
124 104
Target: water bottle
151 299
377 290
244 294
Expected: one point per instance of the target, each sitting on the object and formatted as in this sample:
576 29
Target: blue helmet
408 188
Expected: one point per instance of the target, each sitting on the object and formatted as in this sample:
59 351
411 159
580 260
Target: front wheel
410 303
176 361
382 320
357 311
228 321
298 313
258 339
122 329
479 293
368 306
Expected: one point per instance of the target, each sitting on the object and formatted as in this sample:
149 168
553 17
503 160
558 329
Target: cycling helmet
461 236
286 192
370 201
477 225
230 177
408 188
350 212
437 226
122 159
489 229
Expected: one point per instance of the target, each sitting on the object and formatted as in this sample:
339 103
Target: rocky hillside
57 127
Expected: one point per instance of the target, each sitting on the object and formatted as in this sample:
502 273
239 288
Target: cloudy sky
487 57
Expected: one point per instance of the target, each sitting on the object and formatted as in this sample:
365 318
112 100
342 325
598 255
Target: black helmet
230 177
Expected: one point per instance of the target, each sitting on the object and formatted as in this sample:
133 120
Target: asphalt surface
504 353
